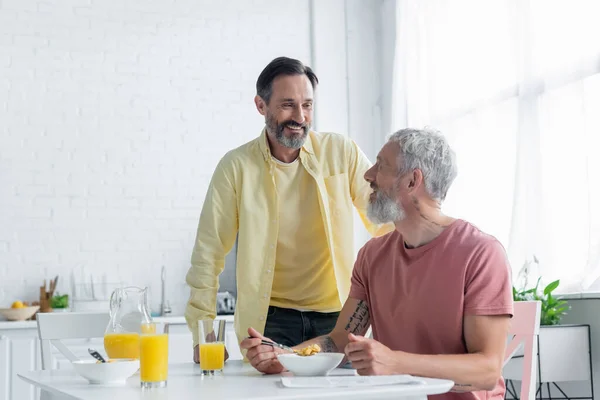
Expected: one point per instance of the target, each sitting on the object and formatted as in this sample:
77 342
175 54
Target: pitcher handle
113 301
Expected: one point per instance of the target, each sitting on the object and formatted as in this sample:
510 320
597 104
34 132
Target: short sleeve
488 288
358 287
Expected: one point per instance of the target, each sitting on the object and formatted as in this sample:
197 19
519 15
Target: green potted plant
59 302
553 308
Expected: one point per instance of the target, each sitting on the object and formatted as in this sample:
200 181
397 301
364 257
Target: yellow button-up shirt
242 201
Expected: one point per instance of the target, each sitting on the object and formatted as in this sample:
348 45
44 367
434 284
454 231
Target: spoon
273 344
281 346
96 355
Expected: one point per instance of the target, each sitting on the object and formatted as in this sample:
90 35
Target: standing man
288 196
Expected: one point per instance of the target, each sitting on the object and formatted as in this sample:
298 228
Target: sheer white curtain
515 86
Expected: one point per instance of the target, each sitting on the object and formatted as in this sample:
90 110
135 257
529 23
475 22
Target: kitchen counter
161 320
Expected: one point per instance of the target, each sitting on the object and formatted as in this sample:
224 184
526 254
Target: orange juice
149 327
154 357
122 345
212 356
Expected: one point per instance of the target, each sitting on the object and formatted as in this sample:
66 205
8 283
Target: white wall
114 113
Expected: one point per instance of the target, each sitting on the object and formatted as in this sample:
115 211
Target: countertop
5 325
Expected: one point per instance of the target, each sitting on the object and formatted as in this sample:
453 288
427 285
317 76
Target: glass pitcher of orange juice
129 317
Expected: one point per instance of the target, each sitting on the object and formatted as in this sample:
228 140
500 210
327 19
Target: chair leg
548 387
510 390
560 390
514 390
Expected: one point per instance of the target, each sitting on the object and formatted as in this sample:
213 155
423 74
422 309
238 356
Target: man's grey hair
428 150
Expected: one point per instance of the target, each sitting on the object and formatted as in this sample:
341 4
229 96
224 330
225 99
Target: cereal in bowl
309 350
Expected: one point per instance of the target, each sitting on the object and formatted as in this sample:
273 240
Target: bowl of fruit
19 311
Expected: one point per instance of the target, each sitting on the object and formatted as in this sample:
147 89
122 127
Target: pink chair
524 330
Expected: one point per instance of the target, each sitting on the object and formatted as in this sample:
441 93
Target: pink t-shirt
417 297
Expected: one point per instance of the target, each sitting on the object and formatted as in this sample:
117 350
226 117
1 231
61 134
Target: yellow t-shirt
304 277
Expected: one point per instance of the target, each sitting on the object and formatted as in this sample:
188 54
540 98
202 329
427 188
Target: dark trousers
292 327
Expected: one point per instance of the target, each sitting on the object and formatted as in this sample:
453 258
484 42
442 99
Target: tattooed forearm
360 319
328 345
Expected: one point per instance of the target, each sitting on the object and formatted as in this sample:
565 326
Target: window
515 86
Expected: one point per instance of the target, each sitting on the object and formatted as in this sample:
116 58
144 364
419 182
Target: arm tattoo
328 345
359 321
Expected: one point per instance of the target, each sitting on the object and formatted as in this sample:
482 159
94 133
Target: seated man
436 290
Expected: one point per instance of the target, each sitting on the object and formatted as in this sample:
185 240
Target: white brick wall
113 115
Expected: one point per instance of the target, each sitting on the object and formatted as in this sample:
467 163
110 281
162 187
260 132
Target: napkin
347 381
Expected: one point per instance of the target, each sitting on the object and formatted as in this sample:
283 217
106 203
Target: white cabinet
20 352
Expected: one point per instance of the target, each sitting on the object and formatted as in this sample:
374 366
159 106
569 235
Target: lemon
17 304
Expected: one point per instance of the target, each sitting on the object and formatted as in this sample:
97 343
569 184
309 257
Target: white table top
239 381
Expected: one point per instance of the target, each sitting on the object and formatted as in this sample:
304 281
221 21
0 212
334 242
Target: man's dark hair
281 66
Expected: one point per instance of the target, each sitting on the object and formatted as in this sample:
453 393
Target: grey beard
294 142
384 210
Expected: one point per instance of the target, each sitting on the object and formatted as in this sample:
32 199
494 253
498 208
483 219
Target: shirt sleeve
217 230
488 287
358 287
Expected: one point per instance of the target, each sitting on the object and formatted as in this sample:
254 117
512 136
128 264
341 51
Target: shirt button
262 318
268 271
265 296
272 246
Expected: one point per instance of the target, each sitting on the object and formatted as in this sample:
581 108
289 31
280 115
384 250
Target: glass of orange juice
154 359
211 341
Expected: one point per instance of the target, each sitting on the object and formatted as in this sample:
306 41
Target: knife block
45 296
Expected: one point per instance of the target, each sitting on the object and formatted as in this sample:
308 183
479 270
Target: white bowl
19 314
316 365
106 373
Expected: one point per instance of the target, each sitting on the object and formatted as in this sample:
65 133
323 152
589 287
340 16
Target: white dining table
238 381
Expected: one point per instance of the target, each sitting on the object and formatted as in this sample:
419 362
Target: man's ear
416 180
261 106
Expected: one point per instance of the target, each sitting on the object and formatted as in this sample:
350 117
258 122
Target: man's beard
384 209
293 142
